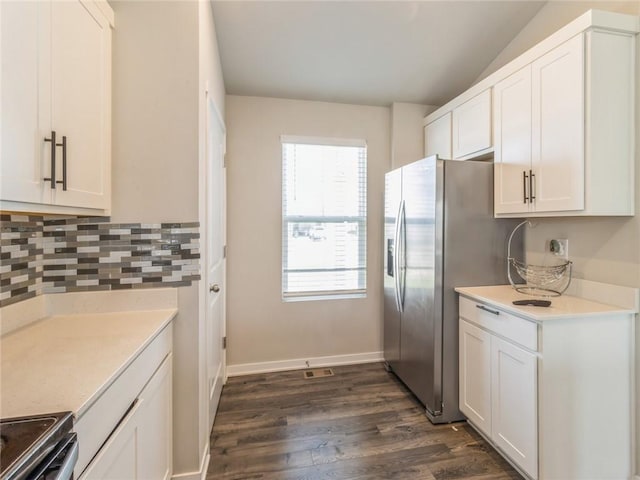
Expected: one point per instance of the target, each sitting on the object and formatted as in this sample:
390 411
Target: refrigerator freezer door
392 200
420 339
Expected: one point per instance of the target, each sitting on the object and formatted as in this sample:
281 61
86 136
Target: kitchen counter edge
562 307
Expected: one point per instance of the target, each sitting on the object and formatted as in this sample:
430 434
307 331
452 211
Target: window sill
332 296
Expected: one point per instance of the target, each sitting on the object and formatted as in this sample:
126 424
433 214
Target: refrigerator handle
402 260
396 240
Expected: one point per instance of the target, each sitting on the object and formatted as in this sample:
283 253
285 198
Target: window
324 217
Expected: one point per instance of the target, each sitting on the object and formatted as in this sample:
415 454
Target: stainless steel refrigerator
439 234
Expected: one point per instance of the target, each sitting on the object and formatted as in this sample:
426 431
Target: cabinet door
512 142
558 128
81 79
23 41
471 126
475 375
437 137
116 459
514 403
154 445
140 448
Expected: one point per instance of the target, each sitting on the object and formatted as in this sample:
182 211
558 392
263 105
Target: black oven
41 447
58 465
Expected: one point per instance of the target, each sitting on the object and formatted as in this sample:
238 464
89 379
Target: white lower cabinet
117 459
140 448
138 442
513 403
475 375
154 427
551 389
498 393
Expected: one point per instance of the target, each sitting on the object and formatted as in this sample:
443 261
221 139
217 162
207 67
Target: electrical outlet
559 247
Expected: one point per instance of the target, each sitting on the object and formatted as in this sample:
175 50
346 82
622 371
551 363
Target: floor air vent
318 372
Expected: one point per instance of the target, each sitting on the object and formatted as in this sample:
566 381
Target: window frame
360 220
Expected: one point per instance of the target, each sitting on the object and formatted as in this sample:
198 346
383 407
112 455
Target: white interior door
215 256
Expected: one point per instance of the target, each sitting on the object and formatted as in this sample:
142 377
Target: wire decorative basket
543 280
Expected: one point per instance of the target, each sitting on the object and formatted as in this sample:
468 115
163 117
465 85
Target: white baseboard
200 474
205 464
301 363
215 392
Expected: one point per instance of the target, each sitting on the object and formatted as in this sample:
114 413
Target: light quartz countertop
65 362
562 307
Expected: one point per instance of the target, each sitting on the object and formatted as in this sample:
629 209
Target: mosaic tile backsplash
49 255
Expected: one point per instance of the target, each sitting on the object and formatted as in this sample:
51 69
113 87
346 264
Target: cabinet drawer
487 316
104 415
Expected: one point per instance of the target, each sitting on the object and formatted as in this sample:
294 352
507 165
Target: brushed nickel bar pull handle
402 261
52 178
64 163
396 259
532 197
490 310
524 185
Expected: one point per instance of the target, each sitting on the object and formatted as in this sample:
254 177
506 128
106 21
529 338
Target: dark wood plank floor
360 424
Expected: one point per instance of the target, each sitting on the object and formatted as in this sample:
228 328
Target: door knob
214 288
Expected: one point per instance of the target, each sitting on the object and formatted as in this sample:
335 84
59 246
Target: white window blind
324 217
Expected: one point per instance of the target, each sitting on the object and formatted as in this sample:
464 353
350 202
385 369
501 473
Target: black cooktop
25 441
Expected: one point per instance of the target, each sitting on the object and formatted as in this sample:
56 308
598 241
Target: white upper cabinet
562 117
437 137
21 165
538 115
471 127
557 143
512 136
464 132
563 131
81 101
56 77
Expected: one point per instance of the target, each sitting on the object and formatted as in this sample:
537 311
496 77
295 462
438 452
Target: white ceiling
363 52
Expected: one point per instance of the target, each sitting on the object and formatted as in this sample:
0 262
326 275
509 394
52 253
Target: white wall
211 77
551 17
163 54
603 249
260 326
407 132
155 121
